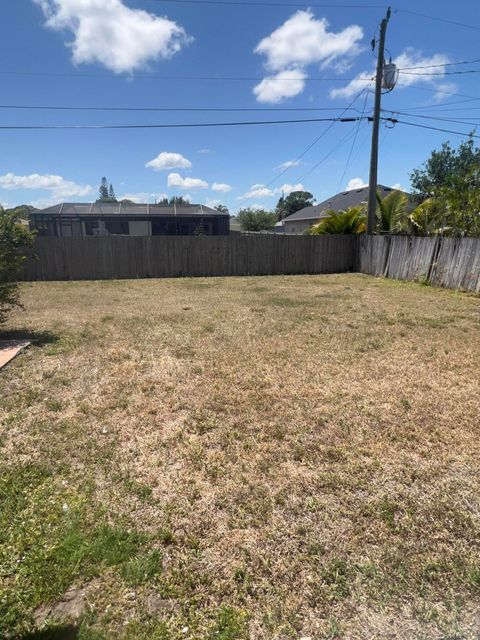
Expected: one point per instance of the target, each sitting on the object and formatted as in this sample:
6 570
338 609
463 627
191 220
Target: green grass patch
51 534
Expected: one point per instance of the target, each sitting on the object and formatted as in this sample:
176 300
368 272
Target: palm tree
428 218
392 212
344 222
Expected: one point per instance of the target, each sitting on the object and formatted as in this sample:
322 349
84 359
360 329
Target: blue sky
110 53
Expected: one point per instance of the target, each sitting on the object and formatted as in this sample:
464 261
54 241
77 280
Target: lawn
241 458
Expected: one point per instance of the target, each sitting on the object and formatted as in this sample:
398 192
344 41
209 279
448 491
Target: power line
357 129
304 175
444 110
311 145
424 126
166 109
440 119
55 74
445 64
173 126
445 104
439 73
442 92
424 15
262 3
339 144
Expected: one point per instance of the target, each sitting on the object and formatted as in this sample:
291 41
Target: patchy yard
223 459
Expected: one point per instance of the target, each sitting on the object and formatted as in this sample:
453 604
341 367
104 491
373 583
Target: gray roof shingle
339 202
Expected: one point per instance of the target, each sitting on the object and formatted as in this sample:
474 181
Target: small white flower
185 630
65 508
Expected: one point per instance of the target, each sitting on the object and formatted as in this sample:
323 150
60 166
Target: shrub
14 238
344 222
256 219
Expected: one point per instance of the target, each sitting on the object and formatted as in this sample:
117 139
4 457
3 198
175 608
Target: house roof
339 202
106 209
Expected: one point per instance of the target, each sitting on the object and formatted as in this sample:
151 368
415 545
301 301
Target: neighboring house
235 225
279 228
115 218
302 220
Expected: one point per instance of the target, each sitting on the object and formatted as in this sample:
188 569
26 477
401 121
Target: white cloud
444 89
289 188
356 183
176 180
303 40
397 187
59 188
288 164
221 187
409 58
257 191
168 160
204 151
285 84
111 34
354 86
212 203
262 191
43 203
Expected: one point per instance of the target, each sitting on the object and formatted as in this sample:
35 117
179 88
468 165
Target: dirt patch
69 609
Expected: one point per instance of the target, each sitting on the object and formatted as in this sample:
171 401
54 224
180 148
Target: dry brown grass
302 451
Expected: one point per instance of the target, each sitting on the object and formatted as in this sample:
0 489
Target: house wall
297 226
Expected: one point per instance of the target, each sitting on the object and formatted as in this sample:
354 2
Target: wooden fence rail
104 258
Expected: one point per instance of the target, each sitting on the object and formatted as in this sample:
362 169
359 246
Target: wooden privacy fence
448 262
104 258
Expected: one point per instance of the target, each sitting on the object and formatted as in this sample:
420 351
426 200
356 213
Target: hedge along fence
115 257
448 262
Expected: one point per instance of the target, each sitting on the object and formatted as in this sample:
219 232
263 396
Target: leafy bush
448 188
14 238
392 214
344 222
256 220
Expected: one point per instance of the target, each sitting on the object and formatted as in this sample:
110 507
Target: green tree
292 203
221 208
392 216
180 200
444 167
342 222
106 193
14 238
256 219
448 188
22 212
103 191
426 219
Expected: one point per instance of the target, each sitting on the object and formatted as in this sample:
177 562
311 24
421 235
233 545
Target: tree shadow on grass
64 632
37 338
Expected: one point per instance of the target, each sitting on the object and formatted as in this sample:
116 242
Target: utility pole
372 183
